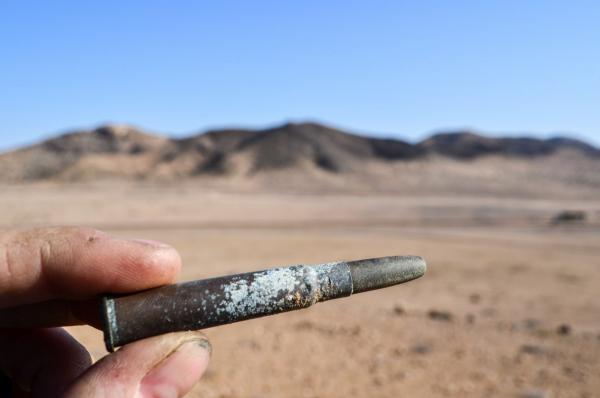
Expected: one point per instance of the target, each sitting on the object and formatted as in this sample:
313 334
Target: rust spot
297 298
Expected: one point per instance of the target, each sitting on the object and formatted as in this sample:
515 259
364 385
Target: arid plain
508 308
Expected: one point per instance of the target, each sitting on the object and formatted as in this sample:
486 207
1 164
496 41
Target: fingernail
149 242
178 372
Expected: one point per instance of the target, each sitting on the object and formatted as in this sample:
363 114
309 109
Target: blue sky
394 68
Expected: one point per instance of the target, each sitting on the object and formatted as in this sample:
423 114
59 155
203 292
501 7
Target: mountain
291 152
54 157
323 147
468 145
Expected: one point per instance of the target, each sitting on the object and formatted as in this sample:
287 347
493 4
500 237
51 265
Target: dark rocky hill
466 145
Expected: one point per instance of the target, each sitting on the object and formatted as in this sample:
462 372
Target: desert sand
508 308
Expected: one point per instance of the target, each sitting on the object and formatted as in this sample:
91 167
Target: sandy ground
508 308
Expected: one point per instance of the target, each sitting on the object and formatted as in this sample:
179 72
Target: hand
72 264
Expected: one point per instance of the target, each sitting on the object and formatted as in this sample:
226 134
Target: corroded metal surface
217 301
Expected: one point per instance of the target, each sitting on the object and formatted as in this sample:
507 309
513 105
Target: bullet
218 301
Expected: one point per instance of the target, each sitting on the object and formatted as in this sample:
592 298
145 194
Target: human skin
72 264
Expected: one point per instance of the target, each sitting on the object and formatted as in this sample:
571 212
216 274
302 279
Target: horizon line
299 121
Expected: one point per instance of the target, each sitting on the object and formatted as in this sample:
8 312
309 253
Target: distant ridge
307 149
465 145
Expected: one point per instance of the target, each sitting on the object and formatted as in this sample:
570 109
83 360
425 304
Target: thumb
165 366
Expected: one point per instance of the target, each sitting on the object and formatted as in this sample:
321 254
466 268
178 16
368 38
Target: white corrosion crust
275 289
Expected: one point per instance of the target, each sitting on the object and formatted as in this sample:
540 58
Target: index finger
75 263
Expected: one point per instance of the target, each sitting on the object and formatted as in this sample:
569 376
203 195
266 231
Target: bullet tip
376 273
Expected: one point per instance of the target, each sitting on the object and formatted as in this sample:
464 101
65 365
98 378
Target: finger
53 313
161 366
73 263
42 361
